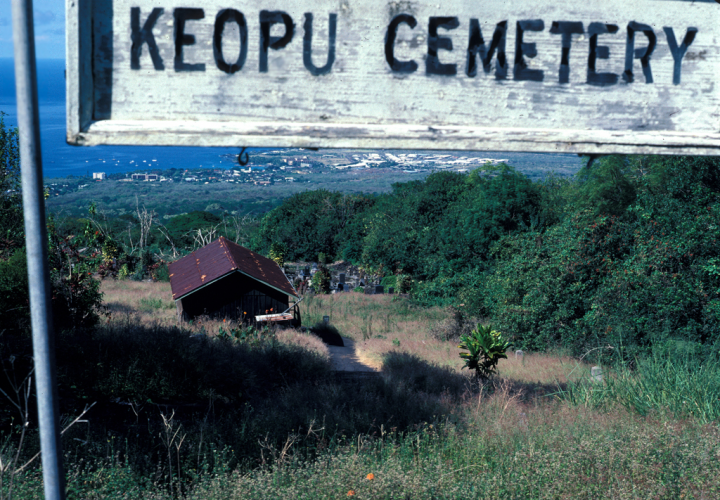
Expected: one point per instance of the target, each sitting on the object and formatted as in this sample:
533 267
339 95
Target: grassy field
380 325
263 417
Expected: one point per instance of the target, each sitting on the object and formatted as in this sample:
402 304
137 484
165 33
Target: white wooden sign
586 76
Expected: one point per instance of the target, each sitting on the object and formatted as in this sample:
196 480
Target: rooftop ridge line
228 254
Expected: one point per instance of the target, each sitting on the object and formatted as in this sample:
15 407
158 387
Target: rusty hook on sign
243 161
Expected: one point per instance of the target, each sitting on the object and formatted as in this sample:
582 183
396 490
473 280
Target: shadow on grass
419 375
119 308
243 400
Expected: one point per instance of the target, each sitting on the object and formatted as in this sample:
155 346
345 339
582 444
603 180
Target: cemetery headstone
596 374
379 289
341 279
391 290
519 354
340 287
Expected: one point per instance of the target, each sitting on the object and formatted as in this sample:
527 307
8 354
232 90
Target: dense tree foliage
182 227
75 294
311 223
638 275
623 256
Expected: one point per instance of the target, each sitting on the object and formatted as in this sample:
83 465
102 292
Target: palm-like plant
485 348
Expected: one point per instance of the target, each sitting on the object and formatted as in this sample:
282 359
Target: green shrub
404 283
14 297
447 290
321 280
124 272
162 273
485 348
75 296
388 281
277 253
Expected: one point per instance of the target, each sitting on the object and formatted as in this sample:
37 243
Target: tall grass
378 323
182 415
679 384
501 449
508 451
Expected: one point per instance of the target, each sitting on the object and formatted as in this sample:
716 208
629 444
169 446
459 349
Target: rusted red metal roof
219 258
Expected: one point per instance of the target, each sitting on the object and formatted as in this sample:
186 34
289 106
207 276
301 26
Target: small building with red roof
224 279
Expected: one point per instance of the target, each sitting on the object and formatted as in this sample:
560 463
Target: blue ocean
61 159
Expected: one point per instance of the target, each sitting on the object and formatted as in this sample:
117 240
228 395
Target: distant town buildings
269 168
145 177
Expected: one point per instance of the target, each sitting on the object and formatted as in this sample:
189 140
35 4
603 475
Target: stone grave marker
596 374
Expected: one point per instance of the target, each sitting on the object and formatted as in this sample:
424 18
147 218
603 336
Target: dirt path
345 359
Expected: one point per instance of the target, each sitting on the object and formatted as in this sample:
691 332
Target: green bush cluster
312 222
624 255
321 280
75 295
631 281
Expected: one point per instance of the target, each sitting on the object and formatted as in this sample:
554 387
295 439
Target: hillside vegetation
624 256
618 267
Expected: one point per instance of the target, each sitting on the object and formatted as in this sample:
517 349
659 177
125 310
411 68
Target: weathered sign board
586 76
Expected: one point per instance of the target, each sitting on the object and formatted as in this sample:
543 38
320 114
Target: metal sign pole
36 243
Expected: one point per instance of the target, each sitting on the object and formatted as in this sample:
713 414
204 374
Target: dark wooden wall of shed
235 296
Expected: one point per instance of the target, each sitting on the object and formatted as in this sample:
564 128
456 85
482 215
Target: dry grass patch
307 342
380 325
384 326
542 368
149 302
